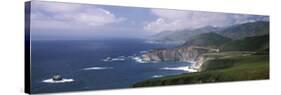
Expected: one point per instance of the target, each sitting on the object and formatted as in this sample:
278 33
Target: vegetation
180 36
210 39
243 55
234 32
248 44
241 31
243 67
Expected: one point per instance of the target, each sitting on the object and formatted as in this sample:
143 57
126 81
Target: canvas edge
27 73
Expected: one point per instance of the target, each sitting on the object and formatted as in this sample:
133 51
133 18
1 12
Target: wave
124 58
109 59
98 68
117 59
157 76
183 68
106 59
138 59
58 81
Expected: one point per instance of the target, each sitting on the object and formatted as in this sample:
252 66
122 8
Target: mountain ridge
235 32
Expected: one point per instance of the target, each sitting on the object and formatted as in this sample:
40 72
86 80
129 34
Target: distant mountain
179 37
256 43
246 30
210 39
235 32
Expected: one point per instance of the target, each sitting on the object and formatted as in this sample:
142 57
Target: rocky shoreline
191 54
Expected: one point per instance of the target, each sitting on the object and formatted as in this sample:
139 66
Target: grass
239 66
247 44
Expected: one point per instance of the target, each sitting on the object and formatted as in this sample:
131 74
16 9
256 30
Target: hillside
241 31
179 37
235 53
247 44
237 67
244 59
190 51
235 32
210 39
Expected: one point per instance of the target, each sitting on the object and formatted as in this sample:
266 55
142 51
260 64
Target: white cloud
169 20
172 20
162 24
170 14
53 15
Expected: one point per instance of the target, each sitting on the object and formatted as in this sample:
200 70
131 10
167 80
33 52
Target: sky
63 21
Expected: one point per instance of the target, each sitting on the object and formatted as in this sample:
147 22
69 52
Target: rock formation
192 54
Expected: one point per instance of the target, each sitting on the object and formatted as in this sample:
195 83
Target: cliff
192 51
239 52
192 54
197 49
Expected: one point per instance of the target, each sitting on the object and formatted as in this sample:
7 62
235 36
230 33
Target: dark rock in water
57 78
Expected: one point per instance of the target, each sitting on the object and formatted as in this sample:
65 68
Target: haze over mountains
234 32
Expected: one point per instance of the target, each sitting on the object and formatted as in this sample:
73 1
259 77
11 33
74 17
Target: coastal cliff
192 51
231 55
192 54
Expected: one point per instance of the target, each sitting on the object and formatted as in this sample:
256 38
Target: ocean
94 64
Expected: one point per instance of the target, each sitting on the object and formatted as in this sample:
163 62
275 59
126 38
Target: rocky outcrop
193 54
202 60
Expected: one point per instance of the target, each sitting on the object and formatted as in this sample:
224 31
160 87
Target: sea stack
57 78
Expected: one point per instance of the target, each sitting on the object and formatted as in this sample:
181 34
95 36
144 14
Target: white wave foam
184 68
123 58
109 59
138 59
98 68
58 81
117 59
157 76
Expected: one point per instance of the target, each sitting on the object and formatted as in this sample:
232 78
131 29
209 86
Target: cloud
54 15
172 20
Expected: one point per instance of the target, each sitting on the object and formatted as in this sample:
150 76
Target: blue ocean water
84 64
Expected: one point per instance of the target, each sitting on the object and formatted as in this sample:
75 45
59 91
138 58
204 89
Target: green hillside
210 39
181 36
243 55
238 31
251 67
247 44
250 29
